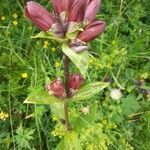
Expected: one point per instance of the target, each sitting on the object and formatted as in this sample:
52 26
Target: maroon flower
93 30
56 88
68 12
77 10
61 5
75 81
91 10
39 16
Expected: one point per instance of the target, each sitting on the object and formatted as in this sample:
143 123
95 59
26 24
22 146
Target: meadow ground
121 56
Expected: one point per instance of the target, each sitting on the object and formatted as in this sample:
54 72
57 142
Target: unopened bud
56 88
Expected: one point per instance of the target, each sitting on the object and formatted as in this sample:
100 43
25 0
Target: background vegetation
121 56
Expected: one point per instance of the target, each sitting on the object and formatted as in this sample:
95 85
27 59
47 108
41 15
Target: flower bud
56 88
61 5
93 30
91 10
78 46
77 10
39 15
75 81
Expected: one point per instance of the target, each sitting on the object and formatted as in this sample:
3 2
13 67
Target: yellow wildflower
15 15
24 75
30 28
55 118
114 43
3 115
3 18
45 44
15 22
57 64
91 60
145 75
53 49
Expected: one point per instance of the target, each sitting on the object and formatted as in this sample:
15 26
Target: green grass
121 54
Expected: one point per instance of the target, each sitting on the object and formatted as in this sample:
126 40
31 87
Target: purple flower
91 10
77 10
56 88
75 81
39 16
61 5
80 13
93 30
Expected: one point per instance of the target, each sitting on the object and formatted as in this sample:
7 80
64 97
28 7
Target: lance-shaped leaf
48 35
89 90
41 96
81 60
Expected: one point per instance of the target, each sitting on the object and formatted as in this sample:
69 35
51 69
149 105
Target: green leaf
129 105
41 96
81 60
88 91
57 109
88 119
48 35
69 142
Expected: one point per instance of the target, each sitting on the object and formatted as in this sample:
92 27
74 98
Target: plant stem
66 75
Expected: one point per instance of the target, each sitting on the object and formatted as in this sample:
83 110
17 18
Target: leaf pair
41 96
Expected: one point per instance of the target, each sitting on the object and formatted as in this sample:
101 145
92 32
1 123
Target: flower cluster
73 20
3 115
57 87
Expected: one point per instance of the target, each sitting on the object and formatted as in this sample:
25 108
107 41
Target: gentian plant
73 25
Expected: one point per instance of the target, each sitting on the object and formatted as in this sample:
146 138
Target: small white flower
85 110
116 94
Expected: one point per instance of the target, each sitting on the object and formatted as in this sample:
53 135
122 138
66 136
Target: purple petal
93 30
39 15
61 5
77 10
91 10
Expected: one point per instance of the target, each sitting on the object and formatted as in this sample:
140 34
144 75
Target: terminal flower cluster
73 20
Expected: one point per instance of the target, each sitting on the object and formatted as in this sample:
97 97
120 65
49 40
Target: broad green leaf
81 60
87 119
48 35
88 91
129 105
41 96
57 109
69 142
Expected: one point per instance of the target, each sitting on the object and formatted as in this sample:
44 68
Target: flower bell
77 10
61 5
91 10
39 16
93 30
56 88
75 81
